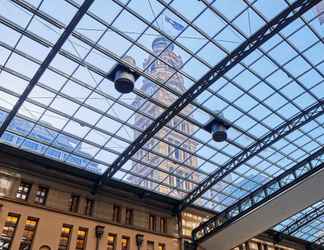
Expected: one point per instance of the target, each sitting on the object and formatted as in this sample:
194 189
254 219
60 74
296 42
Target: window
88 210
53 153
177 154
44 247
183 127
150 245
163 225
29 233
169 149
81 238
259 245
190 221
129 216
31 145
171 177
111 245
161 246
23 191
5 186
65 237
188 186
176 122
152 222
8 232
179 181
41 195
74 203
124 243
116 213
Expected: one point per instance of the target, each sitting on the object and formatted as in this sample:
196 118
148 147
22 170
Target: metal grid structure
319 241
260 196
307 224
74 114
315 214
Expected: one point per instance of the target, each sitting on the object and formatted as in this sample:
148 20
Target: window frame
74 207
148 243
163 225
41 197
27 229
22 192
161 246
8 224
127 242
114 236
152 222
117 217
129 216
89 207
84 244
67 246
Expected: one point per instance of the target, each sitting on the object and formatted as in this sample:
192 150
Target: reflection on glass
41 195
111 244
161 246
150 245
81 238
23 191
182 180
65 237
29 233
8 232
125 243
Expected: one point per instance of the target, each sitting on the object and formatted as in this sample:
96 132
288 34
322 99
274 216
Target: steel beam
319 241
317 244
291 125
304 220
286 17
259 199
49 58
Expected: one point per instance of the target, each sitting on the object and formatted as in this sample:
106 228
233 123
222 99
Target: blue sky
270 86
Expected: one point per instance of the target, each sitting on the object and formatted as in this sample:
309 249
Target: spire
160 43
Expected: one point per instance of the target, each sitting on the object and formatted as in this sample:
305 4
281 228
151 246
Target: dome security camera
124 77
218 128
219 132
124 81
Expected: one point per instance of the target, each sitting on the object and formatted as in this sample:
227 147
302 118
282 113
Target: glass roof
312 231
75 115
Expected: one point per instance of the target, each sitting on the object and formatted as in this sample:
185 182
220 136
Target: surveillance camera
219 132
124 81
123 77
218 128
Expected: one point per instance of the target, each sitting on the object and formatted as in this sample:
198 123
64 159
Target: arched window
44 248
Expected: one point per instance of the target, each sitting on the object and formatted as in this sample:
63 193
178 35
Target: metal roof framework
246 48
304 220
319 241
58 45
72 98
275 135
307 224
260 196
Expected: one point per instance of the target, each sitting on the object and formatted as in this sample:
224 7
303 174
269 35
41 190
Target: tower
177 156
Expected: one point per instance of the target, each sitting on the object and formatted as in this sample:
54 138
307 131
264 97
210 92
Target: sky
271 85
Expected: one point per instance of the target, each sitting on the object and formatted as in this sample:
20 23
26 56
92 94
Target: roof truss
49 58
257 198
304 220
261 36
299 120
